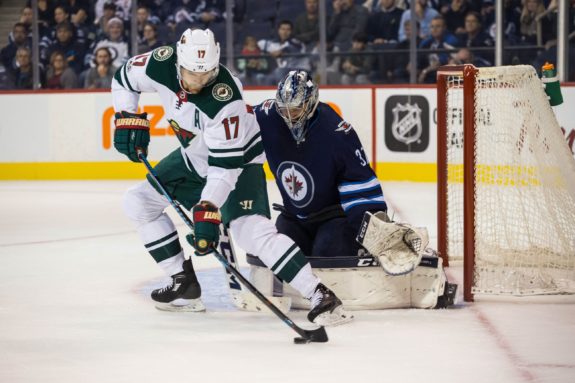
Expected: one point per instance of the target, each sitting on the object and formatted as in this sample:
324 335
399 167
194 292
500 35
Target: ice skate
326 308
183 294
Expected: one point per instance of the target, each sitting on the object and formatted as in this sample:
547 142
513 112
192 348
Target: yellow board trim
386 171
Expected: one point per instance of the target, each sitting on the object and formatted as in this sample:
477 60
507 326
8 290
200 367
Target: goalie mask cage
506 183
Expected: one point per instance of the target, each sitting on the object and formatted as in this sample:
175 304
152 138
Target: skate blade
248 302
191 305
335 318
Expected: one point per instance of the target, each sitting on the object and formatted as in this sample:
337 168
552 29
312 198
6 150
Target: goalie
330 194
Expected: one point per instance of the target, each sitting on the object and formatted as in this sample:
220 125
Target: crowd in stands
83 42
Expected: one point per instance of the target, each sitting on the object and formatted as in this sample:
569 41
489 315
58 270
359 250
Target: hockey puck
300 340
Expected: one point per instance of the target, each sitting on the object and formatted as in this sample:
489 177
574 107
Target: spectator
150 38
383 25
143 17
19 39
59 76
475 37
347 20
66 43
22 77
211 11
61 15
85 32
440 39
114 41
528 22
26 19
400 66
454 15
306 26
45 12
100 76
253 70
284 44
121 10
424 14
357 68
107 14
465 56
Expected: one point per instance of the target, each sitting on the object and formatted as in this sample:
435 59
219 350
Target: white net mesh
524 186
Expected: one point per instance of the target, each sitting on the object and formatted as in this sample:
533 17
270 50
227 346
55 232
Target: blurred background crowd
82 42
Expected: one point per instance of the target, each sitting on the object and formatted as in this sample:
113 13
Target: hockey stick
317 335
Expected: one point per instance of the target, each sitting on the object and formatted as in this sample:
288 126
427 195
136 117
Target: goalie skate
326 308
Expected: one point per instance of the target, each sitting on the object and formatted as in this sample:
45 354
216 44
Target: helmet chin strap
183 84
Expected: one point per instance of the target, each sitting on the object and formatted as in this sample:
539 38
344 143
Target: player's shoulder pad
217 95
333 121
162 66
266 108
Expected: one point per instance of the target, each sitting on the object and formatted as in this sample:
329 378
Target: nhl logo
407 127
222 92
406 122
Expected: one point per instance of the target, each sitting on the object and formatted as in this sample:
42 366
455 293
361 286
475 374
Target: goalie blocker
362 284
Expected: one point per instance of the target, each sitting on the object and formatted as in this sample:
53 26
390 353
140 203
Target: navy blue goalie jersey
329 168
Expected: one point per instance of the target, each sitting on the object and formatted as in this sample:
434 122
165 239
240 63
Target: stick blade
318 335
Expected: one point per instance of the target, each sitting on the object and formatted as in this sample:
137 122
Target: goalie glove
132 134
399 247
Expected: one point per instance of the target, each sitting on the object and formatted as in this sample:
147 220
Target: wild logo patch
222 92
163 53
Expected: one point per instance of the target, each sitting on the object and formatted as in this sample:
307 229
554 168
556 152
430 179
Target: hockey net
506 183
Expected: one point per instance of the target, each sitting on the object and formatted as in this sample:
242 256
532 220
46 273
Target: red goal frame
469 73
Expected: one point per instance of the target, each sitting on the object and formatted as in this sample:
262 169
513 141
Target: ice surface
75 307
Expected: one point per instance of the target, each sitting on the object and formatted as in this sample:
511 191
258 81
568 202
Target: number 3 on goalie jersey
362 158
228 122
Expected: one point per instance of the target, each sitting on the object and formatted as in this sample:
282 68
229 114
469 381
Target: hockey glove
207 221
132 134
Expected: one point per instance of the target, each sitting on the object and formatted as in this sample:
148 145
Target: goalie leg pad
399 247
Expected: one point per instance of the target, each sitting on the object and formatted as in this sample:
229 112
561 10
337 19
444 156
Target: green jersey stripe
125 73
118 76
253 152
167 251
243 148
290 270
285 255
226 162
163 239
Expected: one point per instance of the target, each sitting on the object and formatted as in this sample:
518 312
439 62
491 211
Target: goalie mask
296 101
198 59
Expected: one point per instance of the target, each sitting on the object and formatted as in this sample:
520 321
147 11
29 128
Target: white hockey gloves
398 246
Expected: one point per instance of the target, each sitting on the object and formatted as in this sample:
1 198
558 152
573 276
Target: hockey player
328 186
321 169
217 169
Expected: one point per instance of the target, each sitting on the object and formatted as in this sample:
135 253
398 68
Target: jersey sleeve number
140 60
362 157
228 122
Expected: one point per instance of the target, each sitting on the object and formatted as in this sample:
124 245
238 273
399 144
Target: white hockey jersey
218 132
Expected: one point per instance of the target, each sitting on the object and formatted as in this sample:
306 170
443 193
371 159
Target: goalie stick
306 336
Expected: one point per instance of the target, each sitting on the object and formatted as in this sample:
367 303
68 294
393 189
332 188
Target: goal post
505 183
